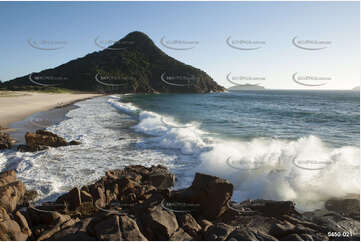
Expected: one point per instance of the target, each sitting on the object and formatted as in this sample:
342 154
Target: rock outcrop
209 192
5 141
42 140
13 225
135 203
345 207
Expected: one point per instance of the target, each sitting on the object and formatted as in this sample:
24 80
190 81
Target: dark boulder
292 237
77 232
72 198
23 223
7 177
328 221
180 235
219 232
189 224
273 208
130 229
248 234
347 207
42 140
109 229
159 224
46 138
157 176
5 141
209 192
74 142
26 148
242 234
11 195
11 230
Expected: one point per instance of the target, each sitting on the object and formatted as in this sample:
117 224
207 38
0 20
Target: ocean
302 146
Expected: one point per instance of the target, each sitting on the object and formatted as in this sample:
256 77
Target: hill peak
137 35
132 64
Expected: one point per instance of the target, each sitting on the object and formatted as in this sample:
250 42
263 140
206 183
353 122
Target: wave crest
305 170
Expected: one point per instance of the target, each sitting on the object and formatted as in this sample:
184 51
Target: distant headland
247 87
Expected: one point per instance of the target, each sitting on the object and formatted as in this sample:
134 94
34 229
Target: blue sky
74 26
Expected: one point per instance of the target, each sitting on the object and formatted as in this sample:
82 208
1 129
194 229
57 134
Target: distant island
133 64
356 88
247 87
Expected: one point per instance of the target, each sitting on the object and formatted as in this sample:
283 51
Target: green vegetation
13 90
10 94
122 68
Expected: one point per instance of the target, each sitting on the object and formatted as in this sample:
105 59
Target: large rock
328 221
273 208
242 234
12 227
292 237
128 186
11 230
85 196
209 192
98 194
205 224
11 195
5 141
130 229
45 217
180 235
4 214
134 184
158 176
72 198
77 232
43 139
219 231
247 234
109 229
7 177
21 220
189 224
26 148
159 224
282 229
346 207
59 226
128 205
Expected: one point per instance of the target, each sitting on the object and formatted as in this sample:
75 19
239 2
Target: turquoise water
334 116
282 145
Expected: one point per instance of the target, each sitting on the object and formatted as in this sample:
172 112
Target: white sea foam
259 168
306 170
106 144
265 168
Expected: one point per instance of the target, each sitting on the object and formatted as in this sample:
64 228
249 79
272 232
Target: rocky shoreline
137 203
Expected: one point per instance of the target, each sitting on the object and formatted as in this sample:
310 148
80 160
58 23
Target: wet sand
16 106
40 120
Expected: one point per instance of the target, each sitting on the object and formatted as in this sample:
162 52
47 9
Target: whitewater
116 133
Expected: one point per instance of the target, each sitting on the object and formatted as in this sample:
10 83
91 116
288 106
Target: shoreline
18 107
39 120
136 191
124 203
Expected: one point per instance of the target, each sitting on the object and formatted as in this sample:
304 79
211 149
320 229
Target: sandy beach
15 106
